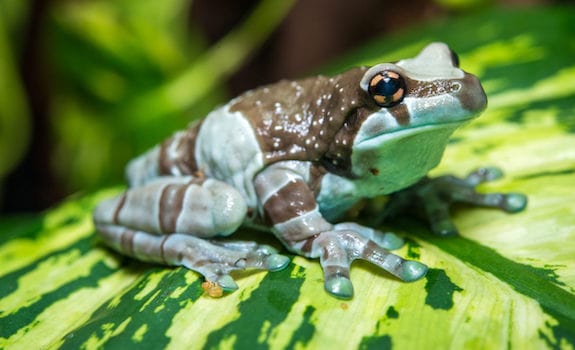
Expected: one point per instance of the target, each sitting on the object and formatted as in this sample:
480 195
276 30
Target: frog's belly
227 150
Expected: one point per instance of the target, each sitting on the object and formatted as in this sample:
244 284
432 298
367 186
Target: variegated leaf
507 282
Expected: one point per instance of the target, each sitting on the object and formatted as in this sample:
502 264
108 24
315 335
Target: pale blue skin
168 216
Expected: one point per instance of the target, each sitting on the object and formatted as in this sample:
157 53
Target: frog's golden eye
387 88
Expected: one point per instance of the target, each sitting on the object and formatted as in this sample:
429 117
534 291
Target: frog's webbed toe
385 240
215 260
436 195
338 248
510 202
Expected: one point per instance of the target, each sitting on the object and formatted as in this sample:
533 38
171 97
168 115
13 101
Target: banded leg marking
164 220
170 206
138 244
288 203
177 204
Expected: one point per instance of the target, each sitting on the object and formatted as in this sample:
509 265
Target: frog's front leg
290 205
435 196
167 221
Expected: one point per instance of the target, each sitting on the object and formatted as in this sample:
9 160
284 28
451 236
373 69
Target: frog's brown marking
163 249
423 89
284 131
306 245
178 152
400 113
119 207
127 241
290 201
472 101
171 203
337 159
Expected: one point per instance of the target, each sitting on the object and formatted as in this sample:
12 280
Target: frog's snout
473 98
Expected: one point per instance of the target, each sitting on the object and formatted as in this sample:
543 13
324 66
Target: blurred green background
86 85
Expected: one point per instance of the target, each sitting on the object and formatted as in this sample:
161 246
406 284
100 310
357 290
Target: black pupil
386 87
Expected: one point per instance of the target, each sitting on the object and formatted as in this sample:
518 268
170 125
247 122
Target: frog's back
298 120
288 120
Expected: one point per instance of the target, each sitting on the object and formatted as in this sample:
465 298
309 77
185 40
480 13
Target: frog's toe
227 283
514 202
263 260
385 240
412 271
339 286
338 249
276 262
406 270
485 174
491 173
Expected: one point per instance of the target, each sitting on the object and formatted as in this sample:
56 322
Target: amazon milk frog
292 158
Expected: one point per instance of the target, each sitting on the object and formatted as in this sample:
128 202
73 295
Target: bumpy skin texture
291 158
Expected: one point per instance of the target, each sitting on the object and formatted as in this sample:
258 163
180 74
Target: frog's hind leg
212 260
166 221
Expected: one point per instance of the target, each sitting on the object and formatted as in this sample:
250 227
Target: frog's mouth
400 133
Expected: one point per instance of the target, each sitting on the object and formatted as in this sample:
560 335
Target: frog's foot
338 248
216 259
436 195
213 259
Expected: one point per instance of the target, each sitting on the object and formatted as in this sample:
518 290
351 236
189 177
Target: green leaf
507 282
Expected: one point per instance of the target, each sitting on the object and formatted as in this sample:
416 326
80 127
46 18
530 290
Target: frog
291 159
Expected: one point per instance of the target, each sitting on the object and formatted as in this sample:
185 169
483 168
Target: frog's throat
393 161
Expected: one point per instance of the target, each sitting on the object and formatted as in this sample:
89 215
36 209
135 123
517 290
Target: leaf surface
507 282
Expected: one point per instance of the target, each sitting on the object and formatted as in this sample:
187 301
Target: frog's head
420 102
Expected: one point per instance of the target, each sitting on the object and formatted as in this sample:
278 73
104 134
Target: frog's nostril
455 86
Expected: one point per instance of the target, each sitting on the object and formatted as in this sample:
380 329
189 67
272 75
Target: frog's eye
387 88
